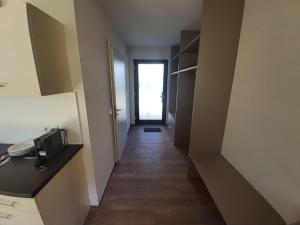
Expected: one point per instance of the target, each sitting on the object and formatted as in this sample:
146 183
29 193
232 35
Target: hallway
150 187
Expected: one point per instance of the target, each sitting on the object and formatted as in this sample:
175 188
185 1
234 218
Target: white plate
21 148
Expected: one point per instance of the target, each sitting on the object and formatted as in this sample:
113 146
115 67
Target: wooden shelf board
174 73
189 69
194 44
238 202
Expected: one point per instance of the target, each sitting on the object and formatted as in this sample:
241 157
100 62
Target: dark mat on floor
152 129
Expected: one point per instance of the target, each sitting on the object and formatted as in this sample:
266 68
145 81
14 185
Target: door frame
136 91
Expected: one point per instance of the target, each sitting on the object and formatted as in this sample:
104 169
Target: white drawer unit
19 211
19 217
24 204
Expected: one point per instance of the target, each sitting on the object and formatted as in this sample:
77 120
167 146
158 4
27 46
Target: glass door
150 91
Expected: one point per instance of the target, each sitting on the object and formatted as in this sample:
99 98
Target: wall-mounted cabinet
33 53
181 87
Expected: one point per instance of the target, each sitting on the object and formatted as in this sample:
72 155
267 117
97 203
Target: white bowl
21 149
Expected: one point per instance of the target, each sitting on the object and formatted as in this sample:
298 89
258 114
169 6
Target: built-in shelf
191 47
237 200
181 87
189 69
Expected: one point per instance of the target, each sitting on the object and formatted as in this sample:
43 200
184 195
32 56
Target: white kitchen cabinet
63 201
33 56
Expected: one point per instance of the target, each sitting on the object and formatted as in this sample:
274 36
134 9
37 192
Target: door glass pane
151 78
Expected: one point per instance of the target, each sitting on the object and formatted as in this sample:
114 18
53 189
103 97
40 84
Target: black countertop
20 178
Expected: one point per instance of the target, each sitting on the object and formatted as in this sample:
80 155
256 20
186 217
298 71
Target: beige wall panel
220 33
94 30
263 126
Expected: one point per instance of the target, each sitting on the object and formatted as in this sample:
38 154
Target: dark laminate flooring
150 187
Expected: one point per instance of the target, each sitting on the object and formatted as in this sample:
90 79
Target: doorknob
118 110
162 98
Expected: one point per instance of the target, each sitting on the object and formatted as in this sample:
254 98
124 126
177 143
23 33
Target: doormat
152 129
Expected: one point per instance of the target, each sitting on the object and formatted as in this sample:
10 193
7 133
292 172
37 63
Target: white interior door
118 93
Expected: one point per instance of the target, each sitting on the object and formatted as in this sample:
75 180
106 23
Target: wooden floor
150 187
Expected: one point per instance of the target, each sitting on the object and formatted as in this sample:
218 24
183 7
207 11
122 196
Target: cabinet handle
7 203
2 84
5 216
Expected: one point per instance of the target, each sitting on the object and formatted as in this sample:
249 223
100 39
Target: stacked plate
21 149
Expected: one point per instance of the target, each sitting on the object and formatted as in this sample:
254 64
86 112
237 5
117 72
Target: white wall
25 118
262 133
143 53
94 30
64 12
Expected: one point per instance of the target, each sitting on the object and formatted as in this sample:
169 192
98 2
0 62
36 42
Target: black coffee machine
49 145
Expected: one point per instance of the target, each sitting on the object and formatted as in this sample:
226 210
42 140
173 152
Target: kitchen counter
20 178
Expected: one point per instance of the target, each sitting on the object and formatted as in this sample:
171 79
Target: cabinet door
18 72
50 52
64 200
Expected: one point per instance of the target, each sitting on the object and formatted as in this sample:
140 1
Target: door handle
114 112
162 98
117 111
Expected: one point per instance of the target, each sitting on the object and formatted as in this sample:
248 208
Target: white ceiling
153 23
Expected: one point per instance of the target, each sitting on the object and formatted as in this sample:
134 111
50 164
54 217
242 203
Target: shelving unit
237 200
182 83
